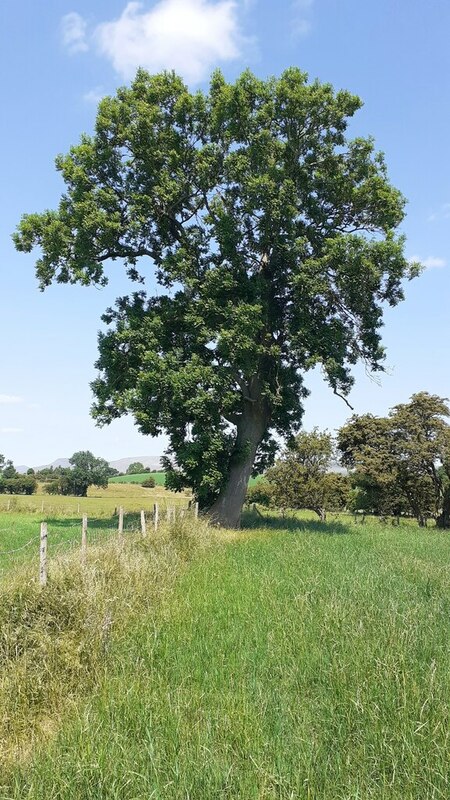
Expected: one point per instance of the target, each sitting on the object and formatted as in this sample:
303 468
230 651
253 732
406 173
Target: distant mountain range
122 464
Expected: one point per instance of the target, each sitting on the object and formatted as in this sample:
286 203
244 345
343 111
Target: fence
84 538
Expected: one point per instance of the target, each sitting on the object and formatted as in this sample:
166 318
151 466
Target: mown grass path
285 665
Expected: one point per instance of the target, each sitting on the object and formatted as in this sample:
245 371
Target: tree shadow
292 524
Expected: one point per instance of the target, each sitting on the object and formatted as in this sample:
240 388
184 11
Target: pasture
160 478
138 477
290 660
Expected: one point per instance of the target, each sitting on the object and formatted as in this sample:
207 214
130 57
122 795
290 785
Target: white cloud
430 262
443 213
94 95
73 28
189 36
10 399
11 430
301 17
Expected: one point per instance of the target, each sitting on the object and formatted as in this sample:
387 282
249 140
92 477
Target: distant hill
121 464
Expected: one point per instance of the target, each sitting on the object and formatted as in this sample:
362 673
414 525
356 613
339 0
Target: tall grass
55 643
310 663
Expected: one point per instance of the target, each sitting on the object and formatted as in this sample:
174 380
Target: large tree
273 237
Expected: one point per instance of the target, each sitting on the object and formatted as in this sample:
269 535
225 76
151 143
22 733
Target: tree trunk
443 520
252 426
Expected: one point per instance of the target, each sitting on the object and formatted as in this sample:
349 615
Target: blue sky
59 57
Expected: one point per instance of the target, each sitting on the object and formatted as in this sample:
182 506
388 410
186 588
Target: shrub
149 483
22 484
261 492
53 487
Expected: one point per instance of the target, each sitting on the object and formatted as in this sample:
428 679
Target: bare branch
338 394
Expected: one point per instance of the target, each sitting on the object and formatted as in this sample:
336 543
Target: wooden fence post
84 536
43 555
196 511
143 525
156 516
120 520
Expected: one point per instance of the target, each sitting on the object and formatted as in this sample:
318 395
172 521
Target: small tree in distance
86 470
135 468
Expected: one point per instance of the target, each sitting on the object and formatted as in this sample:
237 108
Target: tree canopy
273 238
86 470
302 477
13 483
135 468
402 462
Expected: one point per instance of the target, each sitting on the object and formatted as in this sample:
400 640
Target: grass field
99 502
160 478
20 517
302 661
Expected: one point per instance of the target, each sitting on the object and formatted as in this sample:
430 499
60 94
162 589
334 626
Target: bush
53 487
22 484
135 468
149 483
261 492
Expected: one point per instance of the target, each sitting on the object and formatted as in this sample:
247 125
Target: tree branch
338 394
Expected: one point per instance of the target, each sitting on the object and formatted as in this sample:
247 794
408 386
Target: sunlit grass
303 663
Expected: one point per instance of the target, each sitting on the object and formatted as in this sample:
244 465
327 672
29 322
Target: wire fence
58 535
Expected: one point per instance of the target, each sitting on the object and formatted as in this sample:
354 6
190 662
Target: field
290 660
160 478
20 517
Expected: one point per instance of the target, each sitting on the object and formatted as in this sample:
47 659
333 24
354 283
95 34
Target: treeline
11 482
85 470
397 465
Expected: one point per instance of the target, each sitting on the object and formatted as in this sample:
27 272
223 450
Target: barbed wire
22 547
65 542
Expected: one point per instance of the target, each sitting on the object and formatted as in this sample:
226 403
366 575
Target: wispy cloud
94 95
189 36
10 399
431 262
442 213
11 430
73 30
301 17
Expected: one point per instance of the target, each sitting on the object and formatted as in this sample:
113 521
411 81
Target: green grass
100 502
309 662
160 478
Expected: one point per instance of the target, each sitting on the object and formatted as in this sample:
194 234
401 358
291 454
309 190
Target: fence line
22 547
44 538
